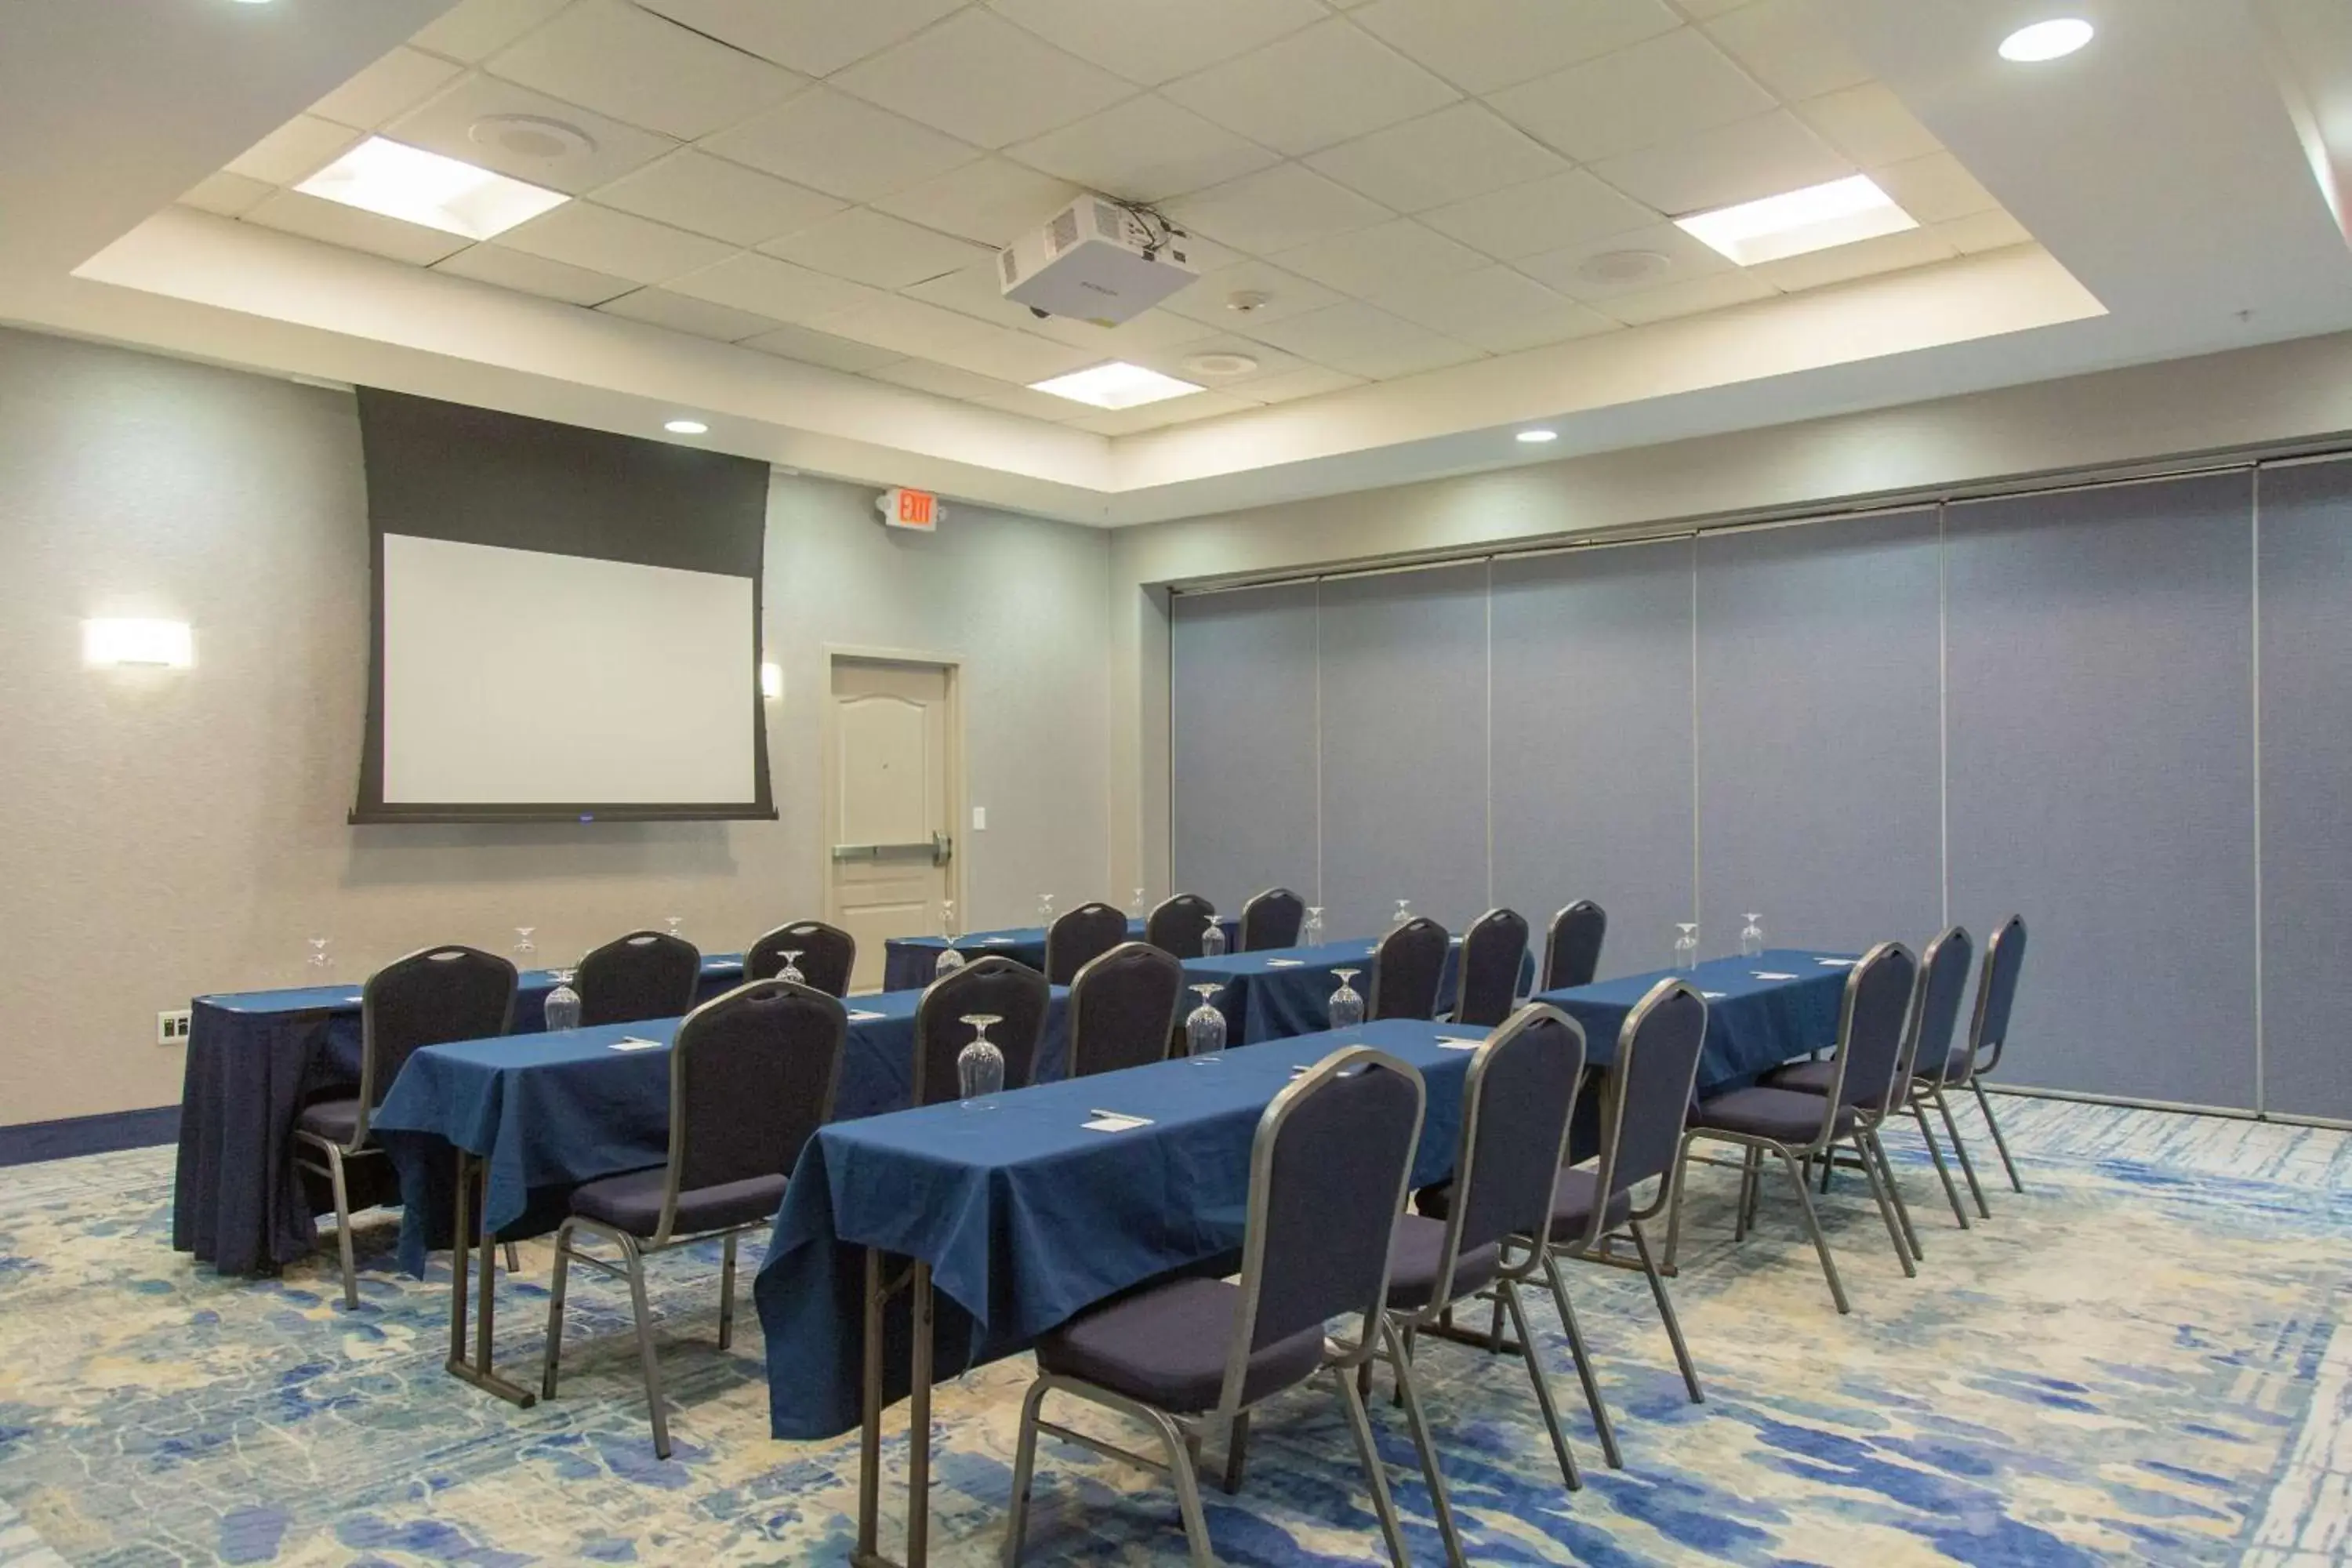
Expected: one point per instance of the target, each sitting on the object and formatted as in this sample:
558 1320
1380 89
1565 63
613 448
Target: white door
889 802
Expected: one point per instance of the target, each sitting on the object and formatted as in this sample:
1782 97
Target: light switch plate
980 819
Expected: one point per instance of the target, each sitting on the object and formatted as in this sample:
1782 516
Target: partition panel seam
1943 722
1693 725
1320 899
2254 532
1490 732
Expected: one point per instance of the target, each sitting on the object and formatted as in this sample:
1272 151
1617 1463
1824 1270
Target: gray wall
176 832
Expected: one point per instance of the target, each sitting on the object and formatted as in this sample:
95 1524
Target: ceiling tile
1685 258
582 234
474 30
637 67
1287 294
1658 90
336 224
874 248
1934 189
1869 125
1277 210
944 380
1152 41
767 287
1839 264
1991 230
841 145
1483 45
1312 380
395 84
1495 308
1705 10
1460 152
1363 340
974 291
821 349
534 275
1175 361
992 201
683 313
1690 298
694 191
1313 90
1154 331
226 194
1789 48
1145 150
1376 257
447 125
912 327
294 151
1756 158
1017 357
816 36
1035 405
1160 416
1545 214
979 76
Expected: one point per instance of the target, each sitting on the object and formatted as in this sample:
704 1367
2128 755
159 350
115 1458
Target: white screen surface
513 678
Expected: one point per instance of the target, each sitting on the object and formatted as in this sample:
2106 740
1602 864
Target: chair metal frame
1262 899
1545 981
1112 918
337 1155
1074 1066
802 928
991 964
1927 1088
1412 928
1180 908
1492 919
638 939
1925 1092
1181 1437
635 1250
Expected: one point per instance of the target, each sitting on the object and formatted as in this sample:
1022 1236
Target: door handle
935 847
942 849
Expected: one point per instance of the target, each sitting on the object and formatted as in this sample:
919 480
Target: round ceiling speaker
1221 364
532 136
1615 267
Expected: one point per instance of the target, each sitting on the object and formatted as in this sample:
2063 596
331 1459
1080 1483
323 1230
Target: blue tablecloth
1282 992
549 1111
1025 1217
255 1059
911 963
1761 1012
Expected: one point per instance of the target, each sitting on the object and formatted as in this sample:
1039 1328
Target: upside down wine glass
1751 936
1346 1003
980 1065
1311 933
1045 908
1212 940
1134 909
1204 1028
526 951
319 967
1404 915
950 960
1687 944
791 968
562 1008
675 922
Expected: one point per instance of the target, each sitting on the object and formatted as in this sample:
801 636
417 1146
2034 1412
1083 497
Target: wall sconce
109 643
771 681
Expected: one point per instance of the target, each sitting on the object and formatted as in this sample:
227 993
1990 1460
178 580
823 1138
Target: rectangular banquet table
911 963
1761 1012
1276 992
255 1059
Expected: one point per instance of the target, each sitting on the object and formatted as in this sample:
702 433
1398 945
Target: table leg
919 1423
879 1290
481 1371
870 1435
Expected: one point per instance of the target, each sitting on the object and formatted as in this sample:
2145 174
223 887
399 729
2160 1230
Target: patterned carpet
2137 1360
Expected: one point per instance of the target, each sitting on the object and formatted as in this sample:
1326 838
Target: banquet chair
1873 1023
1329 1166
1078 937
1573 946
828 955
1407 967
1001 987
1122 1009
1272 919
1493 949
645 974
428 998
751 1077
1178 924
1988 1033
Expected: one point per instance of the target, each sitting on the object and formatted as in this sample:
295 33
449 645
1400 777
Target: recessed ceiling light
686 427
2048 40
1796 222
1115 386
1536 437
416 186
1219 363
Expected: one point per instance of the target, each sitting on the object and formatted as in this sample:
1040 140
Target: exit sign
917 509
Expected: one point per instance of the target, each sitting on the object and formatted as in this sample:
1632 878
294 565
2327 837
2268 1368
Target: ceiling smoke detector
1248 300
1221 364
1614 266
532 136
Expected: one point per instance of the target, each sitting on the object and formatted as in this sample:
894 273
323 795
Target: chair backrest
828 955
645 974
1406 969
1943 982
430 997
1123 1009
2004 958
996 986
1646 1098
1493 949
1272 919
1078 937
1516 1101
751 1077
1874 1025
1573 946
1329 1171
1177 924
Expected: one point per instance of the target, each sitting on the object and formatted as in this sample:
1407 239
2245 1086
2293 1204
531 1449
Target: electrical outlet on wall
172 1027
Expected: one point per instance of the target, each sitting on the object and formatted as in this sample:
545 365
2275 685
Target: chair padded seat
1572 1198
1166 1346
633 1202
1414 1254
1783 1115
336 1120
1814 1077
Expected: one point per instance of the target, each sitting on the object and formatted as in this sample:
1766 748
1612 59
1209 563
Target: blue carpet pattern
2139 1360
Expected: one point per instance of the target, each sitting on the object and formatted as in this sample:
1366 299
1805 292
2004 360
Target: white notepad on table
1769 974
634 1044
1459 1042
863 1018
1286 963
1115 1122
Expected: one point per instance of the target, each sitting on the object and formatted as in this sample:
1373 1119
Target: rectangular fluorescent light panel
1115 386
416 186
1795 222
107 643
